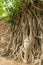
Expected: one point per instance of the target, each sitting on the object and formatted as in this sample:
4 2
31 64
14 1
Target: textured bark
26 35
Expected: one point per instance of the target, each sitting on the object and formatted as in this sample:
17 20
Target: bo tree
25 19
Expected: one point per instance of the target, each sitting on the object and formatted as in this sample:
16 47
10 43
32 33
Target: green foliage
8 7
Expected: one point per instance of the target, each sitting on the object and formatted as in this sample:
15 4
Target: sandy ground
5 61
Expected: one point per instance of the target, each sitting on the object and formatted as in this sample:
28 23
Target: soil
5 61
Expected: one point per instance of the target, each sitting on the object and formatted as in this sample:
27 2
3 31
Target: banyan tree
25 31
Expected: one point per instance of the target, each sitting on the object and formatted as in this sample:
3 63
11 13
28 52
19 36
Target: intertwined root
26 41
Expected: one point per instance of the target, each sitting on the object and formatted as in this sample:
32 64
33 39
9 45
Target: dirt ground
6 61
